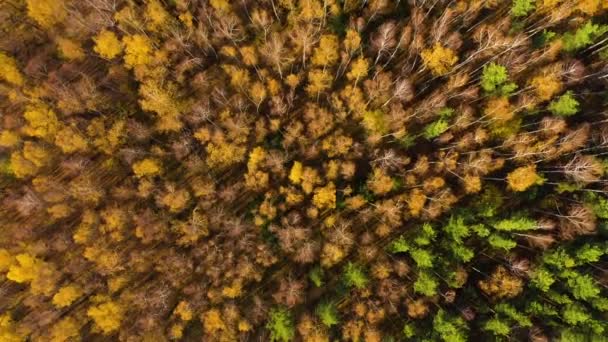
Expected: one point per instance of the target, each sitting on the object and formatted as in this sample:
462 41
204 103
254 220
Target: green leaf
559 258
457 229
497 241
450 329
544 38
354 276
521 8
583 37
567 187
480 229
426 284
599 204
426 236
375 122
510 311
600 304
399 245
559 298
409 330
328 314
589 253
583 287
489 202
515 223
316 276
280 325
408 141
446 112
435 129
575 314
565 105
463 253
493 76
543 279
497 327
541 309
422 258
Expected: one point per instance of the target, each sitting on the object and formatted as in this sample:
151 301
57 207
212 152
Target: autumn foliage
303 170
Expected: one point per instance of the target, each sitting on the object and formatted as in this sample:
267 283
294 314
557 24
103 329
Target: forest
303 170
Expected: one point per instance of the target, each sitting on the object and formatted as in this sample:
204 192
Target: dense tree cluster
303 170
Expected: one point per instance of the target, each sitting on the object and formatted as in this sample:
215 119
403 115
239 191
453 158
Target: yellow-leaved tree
162 99
107 44
67 295
325 197
70 49
138 50
523 177
8 330
9 71
41 122
69 140
25 269
438 59
47 12
156 15
326 54
107 315
65 330
147 168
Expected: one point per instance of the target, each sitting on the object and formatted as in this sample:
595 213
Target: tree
8 330
325 197
521 8
47 12
295 175
565 105
161 98
515 223
435 129
494 80
107 44
524 177
354 276
582 286
546 86
499 241
422 257
107 315
42 121
280 325
66 295
358 69
497 327
327 52
9 71
213 322
70 140
318 81
583 36
70 49
501 284
426 284
375 122
25 269
450 329
157 15
328 314
65 330
439 60
138 50
147 168
20 166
